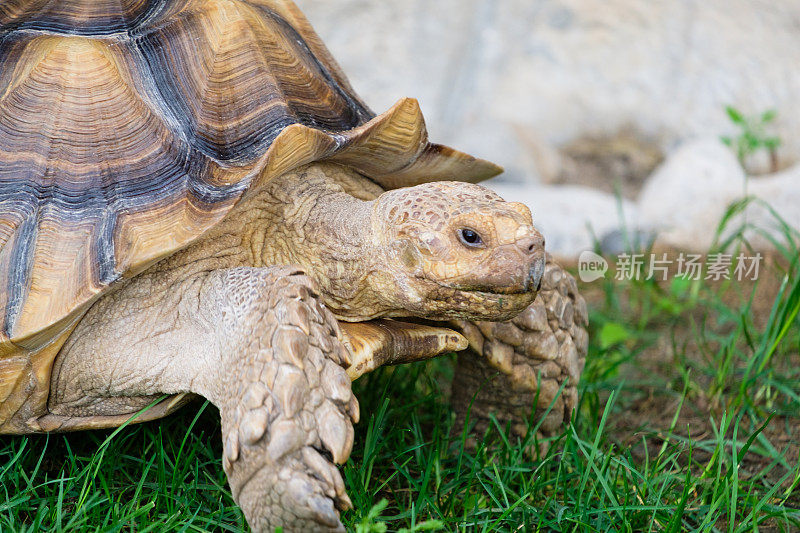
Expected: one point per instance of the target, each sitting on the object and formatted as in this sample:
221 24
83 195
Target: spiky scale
254 426
285 437
335 432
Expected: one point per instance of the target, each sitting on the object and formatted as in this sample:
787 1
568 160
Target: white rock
682 204
685 198
781 192
491 73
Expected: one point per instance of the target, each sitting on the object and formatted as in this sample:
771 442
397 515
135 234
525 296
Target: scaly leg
510 364
260 346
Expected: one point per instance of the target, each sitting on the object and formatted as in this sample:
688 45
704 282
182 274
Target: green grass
689 420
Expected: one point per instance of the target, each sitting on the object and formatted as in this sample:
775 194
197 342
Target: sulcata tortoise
193 201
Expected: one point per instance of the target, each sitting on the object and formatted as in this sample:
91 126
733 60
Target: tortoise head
458 250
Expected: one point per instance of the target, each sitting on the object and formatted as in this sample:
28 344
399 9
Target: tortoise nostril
531 244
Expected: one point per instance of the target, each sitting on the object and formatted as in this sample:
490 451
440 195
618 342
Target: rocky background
582 98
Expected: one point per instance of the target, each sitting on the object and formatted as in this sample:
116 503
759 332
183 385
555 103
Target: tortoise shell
128 128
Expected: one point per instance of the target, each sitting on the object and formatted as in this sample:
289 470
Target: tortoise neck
303 218
330 234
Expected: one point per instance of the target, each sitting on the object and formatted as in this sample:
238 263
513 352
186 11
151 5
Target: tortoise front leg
510 365
259 345
288 404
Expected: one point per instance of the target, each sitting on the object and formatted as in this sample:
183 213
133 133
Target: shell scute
242 79
78 17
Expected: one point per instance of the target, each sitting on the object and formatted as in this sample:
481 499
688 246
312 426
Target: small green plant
753 136
371 523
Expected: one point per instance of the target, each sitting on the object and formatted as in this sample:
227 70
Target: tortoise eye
470 238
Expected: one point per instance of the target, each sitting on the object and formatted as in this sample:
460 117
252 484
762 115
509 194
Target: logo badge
591 266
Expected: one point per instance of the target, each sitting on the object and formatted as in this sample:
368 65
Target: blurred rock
618 164
684 200
680 206
779 196
687 197
491 74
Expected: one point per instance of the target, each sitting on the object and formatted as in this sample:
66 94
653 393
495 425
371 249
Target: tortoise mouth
446 301
488 291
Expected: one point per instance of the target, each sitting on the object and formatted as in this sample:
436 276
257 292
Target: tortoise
194 202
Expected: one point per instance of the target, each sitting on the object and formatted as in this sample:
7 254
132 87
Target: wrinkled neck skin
314 223
328 232
321 217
